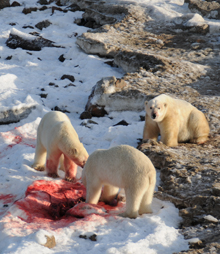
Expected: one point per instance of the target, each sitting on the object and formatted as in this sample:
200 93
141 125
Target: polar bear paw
53 175
69 179
38 167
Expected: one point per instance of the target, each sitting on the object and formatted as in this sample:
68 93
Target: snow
210 218
22 80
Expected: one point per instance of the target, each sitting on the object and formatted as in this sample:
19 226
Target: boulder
209 9
4 4
22 40
111 94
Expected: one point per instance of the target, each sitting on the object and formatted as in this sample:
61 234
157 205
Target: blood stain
46 204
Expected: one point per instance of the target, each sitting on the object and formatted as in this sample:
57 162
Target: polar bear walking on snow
120 167
175 120
57 139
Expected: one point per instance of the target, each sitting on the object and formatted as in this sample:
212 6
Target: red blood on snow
39 196
8 198
18 136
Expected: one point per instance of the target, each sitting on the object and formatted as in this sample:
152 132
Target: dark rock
94 19
132 61
93 237
96 110
56 108
43 24
58 3
53 84
43 8
55 8
142 118
8 58
4 4
43 2
208 9
61 58
70 84
86 115
83 236
89 22
18 39
216 188
15 4
73 8
31 27
110 63
29 10
88 123
110 94
43 95
15 115
123 122
70 77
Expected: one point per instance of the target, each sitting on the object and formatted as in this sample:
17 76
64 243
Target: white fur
56 138
120 167
175 120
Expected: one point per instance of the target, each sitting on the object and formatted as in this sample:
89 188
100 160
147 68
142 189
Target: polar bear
57 141
120 167
175 120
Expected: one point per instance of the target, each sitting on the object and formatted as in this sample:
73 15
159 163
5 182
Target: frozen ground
22 80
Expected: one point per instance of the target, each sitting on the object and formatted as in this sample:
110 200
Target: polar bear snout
153 115
83 164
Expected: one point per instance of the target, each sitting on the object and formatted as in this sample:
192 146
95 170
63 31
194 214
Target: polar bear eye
159 108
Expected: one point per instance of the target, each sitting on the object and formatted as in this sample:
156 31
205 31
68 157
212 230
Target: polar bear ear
74 150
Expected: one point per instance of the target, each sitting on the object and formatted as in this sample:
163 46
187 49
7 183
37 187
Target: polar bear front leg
151 129
70 169
93 192
40 156
169 134
52 163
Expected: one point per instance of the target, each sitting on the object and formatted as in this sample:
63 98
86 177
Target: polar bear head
157 107
80 155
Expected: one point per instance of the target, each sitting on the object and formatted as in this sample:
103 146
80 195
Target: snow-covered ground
22 80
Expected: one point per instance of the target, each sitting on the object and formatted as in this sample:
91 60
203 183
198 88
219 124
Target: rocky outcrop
22 40
15 114
4 4
209 9
111 94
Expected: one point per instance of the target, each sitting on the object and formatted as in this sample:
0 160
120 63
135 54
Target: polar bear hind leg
145 206
199 127
40 156
133 201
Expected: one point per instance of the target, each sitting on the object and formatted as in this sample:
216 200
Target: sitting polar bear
175 120
56 138
120 167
